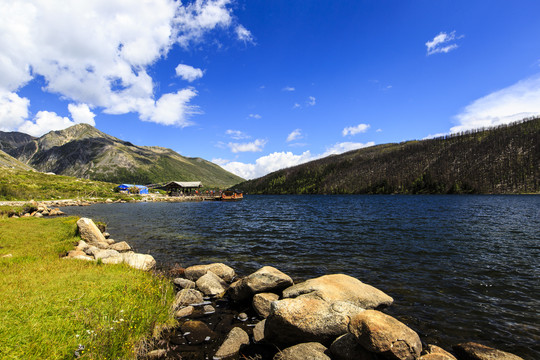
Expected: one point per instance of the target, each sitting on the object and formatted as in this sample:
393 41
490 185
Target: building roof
129 185
185 184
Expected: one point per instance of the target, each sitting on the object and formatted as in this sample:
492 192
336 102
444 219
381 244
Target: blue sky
259 85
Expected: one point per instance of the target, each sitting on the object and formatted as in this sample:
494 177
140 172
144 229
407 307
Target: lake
460 268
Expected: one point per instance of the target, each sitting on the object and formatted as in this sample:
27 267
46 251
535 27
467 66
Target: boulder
184 283
346 347
196 332
258 331
211 285
38 215
232 344
79 255
107 253
139 261
294 321
475 351
109 241
266 279
91 250
262 303
382 334
90 233
225 272
188 297
306 351
113 260
82 246
433 352
121 246
340 287
185 311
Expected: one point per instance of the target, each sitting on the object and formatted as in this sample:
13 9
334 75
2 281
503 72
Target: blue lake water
460 268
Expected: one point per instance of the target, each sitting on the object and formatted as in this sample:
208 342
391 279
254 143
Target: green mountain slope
8 161
505 159
85 152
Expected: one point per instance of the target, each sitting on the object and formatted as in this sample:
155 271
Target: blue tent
125 187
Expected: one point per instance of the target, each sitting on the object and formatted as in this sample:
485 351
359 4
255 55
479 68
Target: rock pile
329 317
38 210
95 246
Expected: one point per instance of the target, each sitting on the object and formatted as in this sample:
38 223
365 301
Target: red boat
229 195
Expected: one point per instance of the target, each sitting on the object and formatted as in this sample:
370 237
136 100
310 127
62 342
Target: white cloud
255 116
188 73
378 130
44 122
297 106
340 148
97 52
220 162
294 135
442 43
502 107
237 134
353 130
243 34
288 88
311 101
81 113
13 111
254 146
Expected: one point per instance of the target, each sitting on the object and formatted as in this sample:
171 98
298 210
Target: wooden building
180 188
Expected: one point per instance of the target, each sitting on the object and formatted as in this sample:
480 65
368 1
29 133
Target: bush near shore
55 308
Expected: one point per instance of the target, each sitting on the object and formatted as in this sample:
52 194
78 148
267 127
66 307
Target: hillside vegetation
85 152
502 160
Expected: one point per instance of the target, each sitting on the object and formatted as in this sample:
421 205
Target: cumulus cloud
13 110
188 73
280 160
294 135
81 113
504 106
243 34
254 146
353 130
442 43
311 101
237 134
98 52
44 122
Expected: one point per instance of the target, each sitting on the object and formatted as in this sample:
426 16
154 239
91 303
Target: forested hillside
494 161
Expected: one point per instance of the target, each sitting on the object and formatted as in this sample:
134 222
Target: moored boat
229 195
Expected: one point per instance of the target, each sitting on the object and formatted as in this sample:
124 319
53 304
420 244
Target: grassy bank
52 307
27 185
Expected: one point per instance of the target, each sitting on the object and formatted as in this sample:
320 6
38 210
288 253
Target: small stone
475 351
242 317
225 272
38 215
121 246
232 344
106 235
7 256
156 354
188 297
209 309
184 283
196 332
183 312
211 285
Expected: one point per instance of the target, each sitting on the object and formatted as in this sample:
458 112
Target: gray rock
103 254
139 261
266 279
90 233
475 351
196 332
91 250
258 331
184 283
211 285
121 246
346 347
113 260
299 320
209 309
225 272
82 246
382 334
232 344
262 303
185 311
340 287
305 351
433 352
188 297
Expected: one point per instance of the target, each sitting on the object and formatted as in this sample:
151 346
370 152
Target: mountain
8 161
500 160
85 152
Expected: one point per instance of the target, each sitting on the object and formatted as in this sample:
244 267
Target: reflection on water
460 268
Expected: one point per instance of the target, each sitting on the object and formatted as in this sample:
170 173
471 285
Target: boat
230 195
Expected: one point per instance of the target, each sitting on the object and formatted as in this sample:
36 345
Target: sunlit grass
52 307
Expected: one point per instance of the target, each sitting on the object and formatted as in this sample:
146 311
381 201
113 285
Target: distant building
143 190
177 188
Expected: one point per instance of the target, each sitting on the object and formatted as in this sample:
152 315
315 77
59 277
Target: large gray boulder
346 347
225 272
120 246
475 351
232 344
139 261
294 321
266 279
340 287
211 285
382 334
106 253
90 233
305 351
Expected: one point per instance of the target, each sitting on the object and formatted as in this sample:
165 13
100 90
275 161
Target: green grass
50 306
28 185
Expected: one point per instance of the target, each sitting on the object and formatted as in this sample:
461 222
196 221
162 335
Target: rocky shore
265 315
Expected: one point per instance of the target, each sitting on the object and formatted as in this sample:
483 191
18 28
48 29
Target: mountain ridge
85 152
